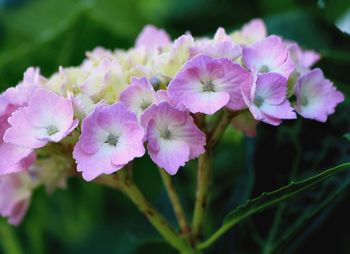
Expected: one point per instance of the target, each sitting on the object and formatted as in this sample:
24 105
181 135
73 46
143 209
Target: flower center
145 104
208 86
51 130
304 101
264 69
112 140
166 134
258 101
155 82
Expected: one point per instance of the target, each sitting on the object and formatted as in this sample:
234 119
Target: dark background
87 218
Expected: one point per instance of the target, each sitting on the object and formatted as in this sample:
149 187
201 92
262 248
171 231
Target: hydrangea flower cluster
118 104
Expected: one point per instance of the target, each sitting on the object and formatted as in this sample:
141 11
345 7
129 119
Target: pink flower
151 36
267 99
316 96
206 85
20 95
138 96
303 59
15 194
221 46
173 138
15 158
48 117
251 32
268 55
111 137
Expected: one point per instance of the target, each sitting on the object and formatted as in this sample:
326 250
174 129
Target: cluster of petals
117 105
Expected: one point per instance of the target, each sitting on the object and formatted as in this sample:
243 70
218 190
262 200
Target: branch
175 201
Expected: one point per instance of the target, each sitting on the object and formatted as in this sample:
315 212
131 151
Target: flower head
110 138
206 85
316 96
15 194
268 55
48 117
267 100
173 138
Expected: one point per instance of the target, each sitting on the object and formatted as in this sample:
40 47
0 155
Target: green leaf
347 136
327 199
270 199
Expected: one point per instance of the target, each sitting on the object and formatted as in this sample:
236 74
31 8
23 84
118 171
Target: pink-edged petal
151 36
207 102
309 58
14 158
138 96
96 164
271 87
168 154
280 111
255 30
268 55
114 119
15 195
165 113
94 136
22 133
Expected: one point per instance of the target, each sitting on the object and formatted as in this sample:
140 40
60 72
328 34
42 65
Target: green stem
175 201
219 128
204 173
8 239
157 220
203 182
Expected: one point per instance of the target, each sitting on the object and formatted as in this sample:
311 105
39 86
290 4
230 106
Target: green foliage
269 199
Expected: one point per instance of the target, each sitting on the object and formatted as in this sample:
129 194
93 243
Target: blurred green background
87 218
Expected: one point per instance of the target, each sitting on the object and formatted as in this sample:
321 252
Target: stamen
155 82
208 86
258 101
165 134
112 140
304 101
51 130
264 69
145 104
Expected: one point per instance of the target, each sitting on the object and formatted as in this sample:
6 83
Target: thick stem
175 201
204 173
203 181
220 128
157 220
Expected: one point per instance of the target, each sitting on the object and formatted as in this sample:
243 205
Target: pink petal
316 96
151 36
